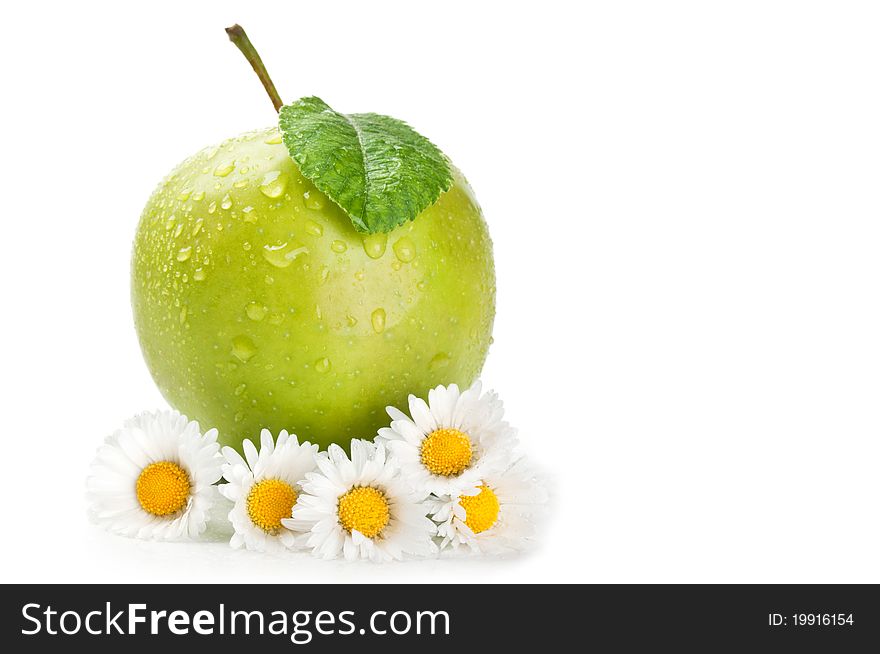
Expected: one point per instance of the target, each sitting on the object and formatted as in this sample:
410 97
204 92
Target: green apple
258 304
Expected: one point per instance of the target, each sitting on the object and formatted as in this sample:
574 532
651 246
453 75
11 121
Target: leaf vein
363 152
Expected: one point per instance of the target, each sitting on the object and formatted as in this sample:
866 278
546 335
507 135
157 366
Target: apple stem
237 35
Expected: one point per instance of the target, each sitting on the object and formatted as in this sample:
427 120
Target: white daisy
360 507
264 486
494 517
153 478
451 442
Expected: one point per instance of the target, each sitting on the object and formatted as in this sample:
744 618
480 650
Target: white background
685 207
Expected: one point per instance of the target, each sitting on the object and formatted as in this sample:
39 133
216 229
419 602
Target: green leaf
378 169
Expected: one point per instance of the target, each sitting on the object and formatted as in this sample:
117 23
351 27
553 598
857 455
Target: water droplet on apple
374 245
184 253
351 320
421 286
338 246
314 228
178 230
239 416
240 389
274 184
223 169
313 200
199 275
183 312
359 275
198 226
255 311
439 361
212 207
198 196
274 140
249 215
322 365
404 249
378 320
226 202
183 196
283 255
243 348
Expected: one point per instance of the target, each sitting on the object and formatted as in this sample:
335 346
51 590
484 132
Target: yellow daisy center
446 452
268 502
481 509
364 508
162 488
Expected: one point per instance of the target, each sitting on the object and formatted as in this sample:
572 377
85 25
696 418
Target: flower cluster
444 477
